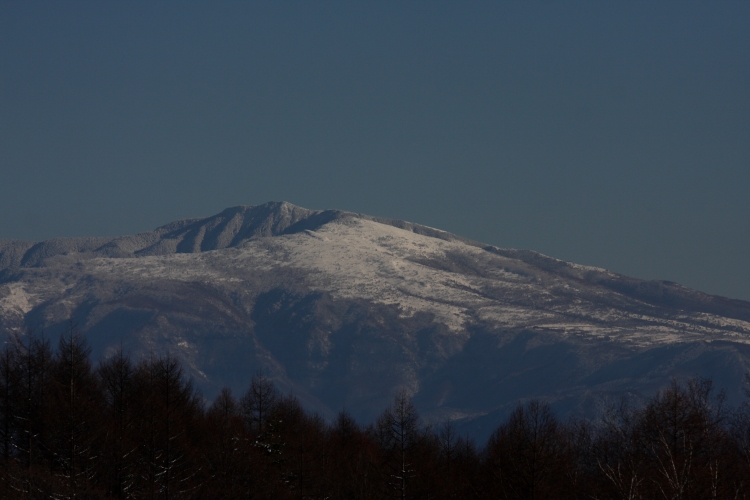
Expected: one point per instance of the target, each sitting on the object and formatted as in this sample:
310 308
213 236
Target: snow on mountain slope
344 308
355 258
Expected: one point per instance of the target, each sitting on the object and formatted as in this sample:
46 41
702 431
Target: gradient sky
613 134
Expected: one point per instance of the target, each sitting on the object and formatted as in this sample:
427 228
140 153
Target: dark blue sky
614 134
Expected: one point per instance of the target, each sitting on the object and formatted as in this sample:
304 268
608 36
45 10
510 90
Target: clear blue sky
614 134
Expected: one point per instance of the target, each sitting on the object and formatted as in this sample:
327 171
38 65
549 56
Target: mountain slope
343 309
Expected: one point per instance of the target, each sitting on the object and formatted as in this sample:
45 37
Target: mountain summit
344 309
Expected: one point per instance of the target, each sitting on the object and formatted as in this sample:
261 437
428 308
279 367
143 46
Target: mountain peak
234 225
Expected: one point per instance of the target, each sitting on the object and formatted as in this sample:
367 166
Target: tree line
140 430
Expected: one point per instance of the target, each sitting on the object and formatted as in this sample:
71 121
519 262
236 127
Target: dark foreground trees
140 430
680 446
526 456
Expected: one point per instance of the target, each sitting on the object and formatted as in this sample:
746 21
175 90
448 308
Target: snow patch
15 299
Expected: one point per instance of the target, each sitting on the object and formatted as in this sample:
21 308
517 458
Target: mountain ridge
226 229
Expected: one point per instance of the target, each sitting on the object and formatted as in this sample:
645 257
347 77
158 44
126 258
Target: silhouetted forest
125 429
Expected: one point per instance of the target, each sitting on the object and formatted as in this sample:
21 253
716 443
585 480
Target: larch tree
167 409
258 402
526 454
398 433
117 375
74 414
227 450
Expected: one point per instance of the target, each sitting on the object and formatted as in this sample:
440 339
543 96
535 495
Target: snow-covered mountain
343 309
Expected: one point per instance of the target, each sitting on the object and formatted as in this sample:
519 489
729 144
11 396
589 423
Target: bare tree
8 388
740 432
526 454
167 407
75 409
353 460
258 402
33 364
118 385
398 432
680 427
227 451
617 453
